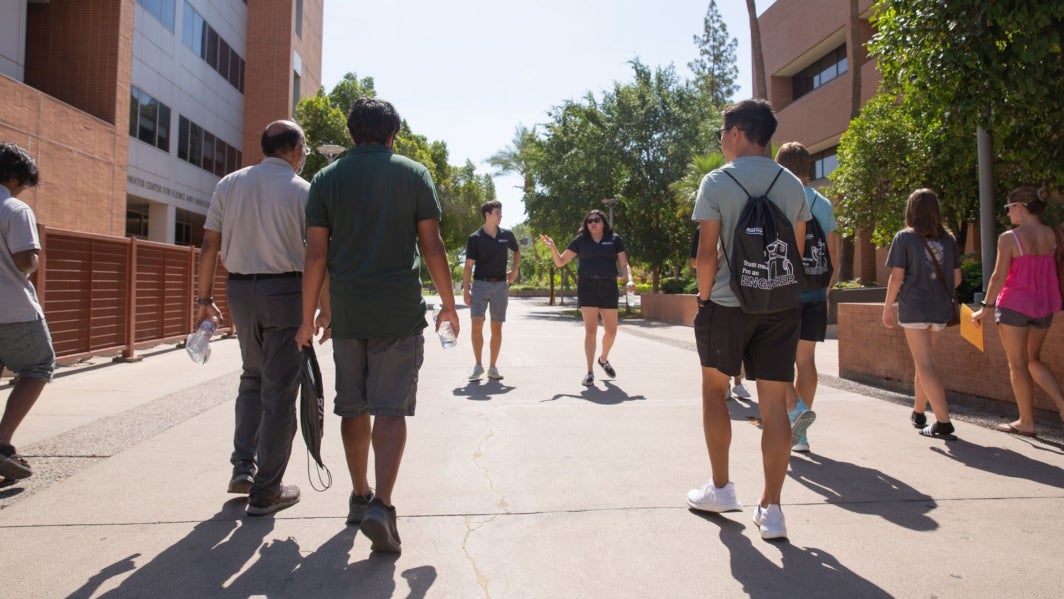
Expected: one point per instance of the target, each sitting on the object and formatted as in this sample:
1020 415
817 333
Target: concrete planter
860 295
679 308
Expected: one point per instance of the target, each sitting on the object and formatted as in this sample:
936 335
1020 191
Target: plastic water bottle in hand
630 297
198 344
447 337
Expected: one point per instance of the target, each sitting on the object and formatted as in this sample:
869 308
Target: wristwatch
204 301
986 305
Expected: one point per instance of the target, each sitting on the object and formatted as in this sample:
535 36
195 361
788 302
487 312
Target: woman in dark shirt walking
600 251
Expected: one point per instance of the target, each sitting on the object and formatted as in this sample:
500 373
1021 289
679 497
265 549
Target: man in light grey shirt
257 223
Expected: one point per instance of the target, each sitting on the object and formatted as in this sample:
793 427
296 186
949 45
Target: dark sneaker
605 364
379 527
357 506
918 420
12 465
589 380
260 505
243 477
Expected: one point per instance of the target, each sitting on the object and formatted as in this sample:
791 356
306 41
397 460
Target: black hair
372 121
754 118
16 163
282 141
607 230
490 207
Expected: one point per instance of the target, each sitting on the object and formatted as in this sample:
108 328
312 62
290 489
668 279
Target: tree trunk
760 87
655 278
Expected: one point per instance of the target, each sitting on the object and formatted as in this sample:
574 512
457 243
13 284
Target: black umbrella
312 414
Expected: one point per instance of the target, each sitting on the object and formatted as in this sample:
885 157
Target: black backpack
765 264
816 260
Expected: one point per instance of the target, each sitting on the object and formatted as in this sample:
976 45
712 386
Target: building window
205 150
182 229
198 36
825 162
149 119
830 66
299 19
163 10
296 79
137 221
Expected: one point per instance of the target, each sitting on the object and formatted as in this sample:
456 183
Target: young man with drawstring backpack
729 330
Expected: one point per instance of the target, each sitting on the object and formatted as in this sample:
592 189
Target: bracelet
204 301
986 305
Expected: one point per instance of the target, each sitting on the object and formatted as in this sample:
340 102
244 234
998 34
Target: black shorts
1019 319
762 344
814 321
597 292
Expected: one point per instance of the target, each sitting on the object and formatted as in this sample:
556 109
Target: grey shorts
1019 319
26 349
489 294
377 376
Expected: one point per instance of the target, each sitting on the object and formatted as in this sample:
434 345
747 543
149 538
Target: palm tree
516 159
760 87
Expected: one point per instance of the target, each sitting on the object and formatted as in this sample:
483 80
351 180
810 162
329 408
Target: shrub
971 279
677 285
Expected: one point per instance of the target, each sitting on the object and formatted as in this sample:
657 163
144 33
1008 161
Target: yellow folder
970 330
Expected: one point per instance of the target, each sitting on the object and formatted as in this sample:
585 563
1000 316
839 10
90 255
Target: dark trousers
267 313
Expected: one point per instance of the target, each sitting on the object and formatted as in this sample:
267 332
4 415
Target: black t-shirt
597 259
489 253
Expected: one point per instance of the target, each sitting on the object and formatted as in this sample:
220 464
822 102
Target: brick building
810 57
134 109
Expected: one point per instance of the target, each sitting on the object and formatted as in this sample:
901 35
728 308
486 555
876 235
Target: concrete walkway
533 486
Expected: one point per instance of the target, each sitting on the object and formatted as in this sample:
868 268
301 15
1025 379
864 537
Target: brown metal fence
112 295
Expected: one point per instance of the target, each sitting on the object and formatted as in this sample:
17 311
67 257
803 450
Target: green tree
323 123
517 159
630 146
992 64
715 68
349 89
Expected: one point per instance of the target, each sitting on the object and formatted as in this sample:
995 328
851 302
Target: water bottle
447 337
198 344
630 297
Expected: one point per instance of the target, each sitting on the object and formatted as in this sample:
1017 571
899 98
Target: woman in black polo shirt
599 250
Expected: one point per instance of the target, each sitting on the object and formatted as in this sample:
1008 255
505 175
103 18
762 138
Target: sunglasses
720 132
592 221
1010 205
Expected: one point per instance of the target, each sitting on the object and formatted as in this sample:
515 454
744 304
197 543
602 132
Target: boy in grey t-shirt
25 343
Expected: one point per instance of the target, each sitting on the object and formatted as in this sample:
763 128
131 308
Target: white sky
467 72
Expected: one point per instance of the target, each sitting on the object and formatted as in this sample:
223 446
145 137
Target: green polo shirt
371 201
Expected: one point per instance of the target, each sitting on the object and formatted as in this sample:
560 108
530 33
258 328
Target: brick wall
81 160
870 352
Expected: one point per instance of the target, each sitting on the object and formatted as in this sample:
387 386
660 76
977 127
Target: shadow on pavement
865 491
482 391
1005 462
202 562
805 571
611 395
327 573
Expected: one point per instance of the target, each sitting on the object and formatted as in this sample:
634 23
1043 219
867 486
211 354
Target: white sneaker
771 522
740 391
493 373
478 371
712 499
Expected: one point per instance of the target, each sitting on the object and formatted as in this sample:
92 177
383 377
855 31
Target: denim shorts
377 376
26 349
489 295
1019 319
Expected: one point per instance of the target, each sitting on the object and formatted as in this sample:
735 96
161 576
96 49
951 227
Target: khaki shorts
377 376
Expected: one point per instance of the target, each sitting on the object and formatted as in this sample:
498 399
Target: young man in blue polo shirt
486 257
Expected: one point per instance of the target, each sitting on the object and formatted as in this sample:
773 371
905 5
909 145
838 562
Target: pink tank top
1031 287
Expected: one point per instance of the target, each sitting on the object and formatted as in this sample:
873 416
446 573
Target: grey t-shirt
923 298
18 232
719 198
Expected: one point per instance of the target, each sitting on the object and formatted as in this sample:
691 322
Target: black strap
941 277
723 245
748 195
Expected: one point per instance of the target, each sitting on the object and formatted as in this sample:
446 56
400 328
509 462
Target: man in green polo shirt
366 216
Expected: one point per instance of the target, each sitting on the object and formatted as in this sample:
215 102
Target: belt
598 277
490 279
235 276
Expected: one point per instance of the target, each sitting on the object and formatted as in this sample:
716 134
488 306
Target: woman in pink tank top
1027 295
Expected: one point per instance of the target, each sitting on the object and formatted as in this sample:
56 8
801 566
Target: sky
468 72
